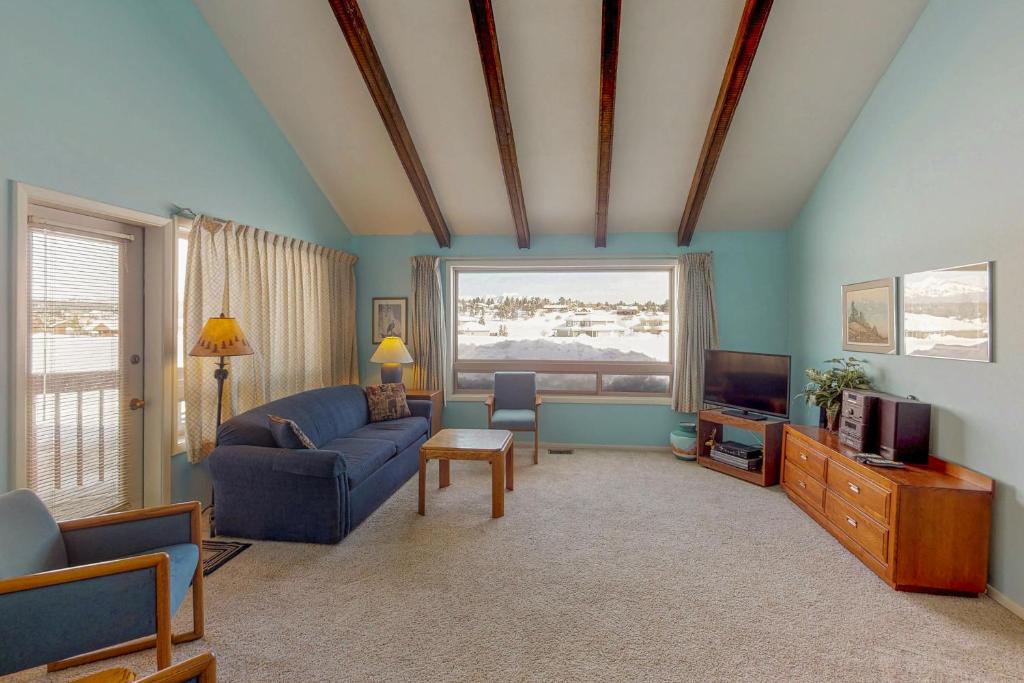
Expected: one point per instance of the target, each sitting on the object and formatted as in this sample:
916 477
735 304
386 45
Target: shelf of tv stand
770 430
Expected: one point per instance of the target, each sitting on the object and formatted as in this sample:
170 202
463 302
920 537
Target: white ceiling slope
817 63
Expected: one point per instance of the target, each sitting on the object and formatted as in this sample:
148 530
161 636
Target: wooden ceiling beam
494 79
610 11
350 19
744 47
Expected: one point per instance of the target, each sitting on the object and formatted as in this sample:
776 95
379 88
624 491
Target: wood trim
80 573
494 79
610 12
135 515
357 35
203 667
744 48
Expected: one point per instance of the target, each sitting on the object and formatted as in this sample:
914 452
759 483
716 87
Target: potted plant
825 388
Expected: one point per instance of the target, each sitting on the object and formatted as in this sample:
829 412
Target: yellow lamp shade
221 336
391 350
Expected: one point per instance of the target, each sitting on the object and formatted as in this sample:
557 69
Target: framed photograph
948 313
390 318
869 316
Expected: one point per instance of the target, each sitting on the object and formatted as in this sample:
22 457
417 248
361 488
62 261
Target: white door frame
158 443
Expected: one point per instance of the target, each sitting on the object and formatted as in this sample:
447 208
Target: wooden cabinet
921 528
711 425
436 398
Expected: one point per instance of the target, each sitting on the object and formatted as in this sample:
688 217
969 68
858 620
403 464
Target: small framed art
869 316
390 318
948 313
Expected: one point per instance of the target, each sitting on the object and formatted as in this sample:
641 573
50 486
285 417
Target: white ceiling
817 63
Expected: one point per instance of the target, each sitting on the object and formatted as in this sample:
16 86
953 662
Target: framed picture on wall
390 318
948 313
869 316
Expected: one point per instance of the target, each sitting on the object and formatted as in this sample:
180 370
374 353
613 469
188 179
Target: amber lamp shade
221 336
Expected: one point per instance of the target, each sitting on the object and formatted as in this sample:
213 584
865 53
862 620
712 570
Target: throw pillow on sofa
288 434
387 402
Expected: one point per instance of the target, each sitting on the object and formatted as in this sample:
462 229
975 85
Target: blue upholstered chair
515 405
87 589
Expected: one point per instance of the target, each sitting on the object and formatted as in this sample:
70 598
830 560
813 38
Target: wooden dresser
920 528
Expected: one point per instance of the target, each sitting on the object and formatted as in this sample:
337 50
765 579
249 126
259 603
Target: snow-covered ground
931 333
531 339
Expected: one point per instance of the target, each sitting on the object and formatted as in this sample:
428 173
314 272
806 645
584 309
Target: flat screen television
750 384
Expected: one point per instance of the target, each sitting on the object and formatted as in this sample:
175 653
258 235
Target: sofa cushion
513 419
402 432
362 456
288 434
183 557
387 402
322 414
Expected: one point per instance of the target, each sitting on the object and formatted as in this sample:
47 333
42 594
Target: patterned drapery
698 329
295 302
428 343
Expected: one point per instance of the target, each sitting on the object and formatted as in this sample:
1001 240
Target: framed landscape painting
947 313
390 318
869 316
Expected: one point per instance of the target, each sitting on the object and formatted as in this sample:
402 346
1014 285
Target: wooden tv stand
712 423
920 528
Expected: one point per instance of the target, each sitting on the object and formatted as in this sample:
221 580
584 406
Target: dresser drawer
803 485
863 493
868 534
806 458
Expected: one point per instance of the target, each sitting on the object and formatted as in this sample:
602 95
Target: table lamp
221 337
392 353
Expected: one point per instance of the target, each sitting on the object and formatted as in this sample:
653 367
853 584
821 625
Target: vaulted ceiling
817 62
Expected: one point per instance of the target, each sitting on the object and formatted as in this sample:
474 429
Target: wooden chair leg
536 446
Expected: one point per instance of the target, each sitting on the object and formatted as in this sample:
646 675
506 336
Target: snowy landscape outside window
604 328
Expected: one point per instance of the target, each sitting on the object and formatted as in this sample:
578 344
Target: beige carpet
611 566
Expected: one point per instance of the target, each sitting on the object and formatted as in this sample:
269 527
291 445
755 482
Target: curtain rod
188 213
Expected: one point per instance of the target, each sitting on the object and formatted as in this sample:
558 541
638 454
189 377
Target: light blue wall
751 281
929 176
137 104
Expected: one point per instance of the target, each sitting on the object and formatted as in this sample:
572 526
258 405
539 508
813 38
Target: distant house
626 311
652 323
469 325
590 324
556 308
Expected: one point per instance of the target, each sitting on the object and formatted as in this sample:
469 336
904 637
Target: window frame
182 230
456 266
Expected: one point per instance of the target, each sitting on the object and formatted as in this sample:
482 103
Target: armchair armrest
106 537
539 400
53 615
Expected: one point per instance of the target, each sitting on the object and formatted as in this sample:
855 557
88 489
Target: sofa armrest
304 463
107 537
421 407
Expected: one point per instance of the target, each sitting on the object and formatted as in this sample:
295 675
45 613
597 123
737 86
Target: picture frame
390 318
947 313
869 316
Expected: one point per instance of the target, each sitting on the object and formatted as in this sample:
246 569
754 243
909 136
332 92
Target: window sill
565 398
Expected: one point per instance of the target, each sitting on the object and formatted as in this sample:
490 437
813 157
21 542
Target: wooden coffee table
492 445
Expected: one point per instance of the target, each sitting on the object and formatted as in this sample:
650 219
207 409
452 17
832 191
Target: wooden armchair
515 406
93 588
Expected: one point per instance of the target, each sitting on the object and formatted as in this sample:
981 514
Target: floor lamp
221 337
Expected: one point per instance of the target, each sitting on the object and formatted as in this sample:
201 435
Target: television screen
757 382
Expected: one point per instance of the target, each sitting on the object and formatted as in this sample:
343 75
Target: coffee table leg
510 469
423 484
498 486
444 473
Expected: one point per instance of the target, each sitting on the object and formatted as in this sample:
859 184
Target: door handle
136 403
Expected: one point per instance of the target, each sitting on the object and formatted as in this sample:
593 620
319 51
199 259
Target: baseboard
603 447
1006 602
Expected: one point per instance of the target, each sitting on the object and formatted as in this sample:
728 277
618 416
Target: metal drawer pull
802 484
853 487
803 456
852 522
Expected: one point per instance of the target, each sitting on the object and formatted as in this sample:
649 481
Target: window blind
79 458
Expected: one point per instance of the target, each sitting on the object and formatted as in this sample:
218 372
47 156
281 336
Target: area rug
216 554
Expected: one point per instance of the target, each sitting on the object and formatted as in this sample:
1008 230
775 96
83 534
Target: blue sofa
315 496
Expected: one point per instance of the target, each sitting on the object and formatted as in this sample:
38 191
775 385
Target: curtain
294 300
428 343
698 330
